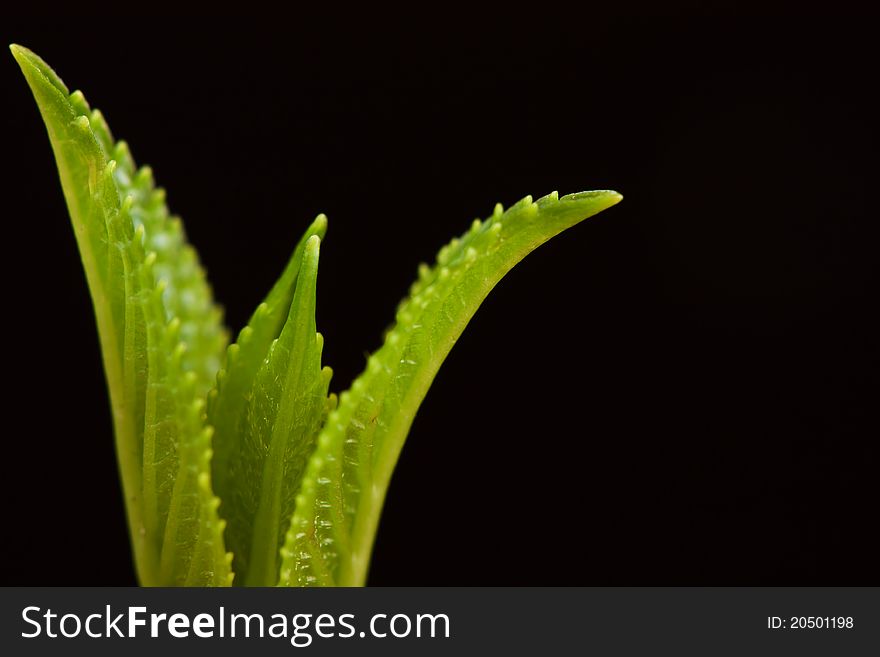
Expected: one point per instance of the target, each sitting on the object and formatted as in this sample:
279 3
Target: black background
682 390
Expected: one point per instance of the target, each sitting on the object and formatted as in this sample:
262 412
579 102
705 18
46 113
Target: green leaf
161 337
303 482
337 510
269 404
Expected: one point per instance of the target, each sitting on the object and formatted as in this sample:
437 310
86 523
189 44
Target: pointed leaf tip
313 244
319 225
30 62
607 197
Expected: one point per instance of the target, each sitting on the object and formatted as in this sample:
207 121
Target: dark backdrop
682 390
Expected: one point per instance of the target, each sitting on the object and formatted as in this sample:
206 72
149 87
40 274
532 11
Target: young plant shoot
238 466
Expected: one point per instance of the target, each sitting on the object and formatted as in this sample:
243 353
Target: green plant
302 477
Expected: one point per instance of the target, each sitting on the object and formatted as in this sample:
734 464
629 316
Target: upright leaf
268 408
161 337
337 510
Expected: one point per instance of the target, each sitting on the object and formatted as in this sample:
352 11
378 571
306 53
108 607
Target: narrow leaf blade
337 511
228 404
267 409
160 333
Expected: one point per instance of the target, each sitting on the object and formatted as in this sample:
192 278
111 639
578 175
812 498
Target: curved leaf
161 337
337 511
